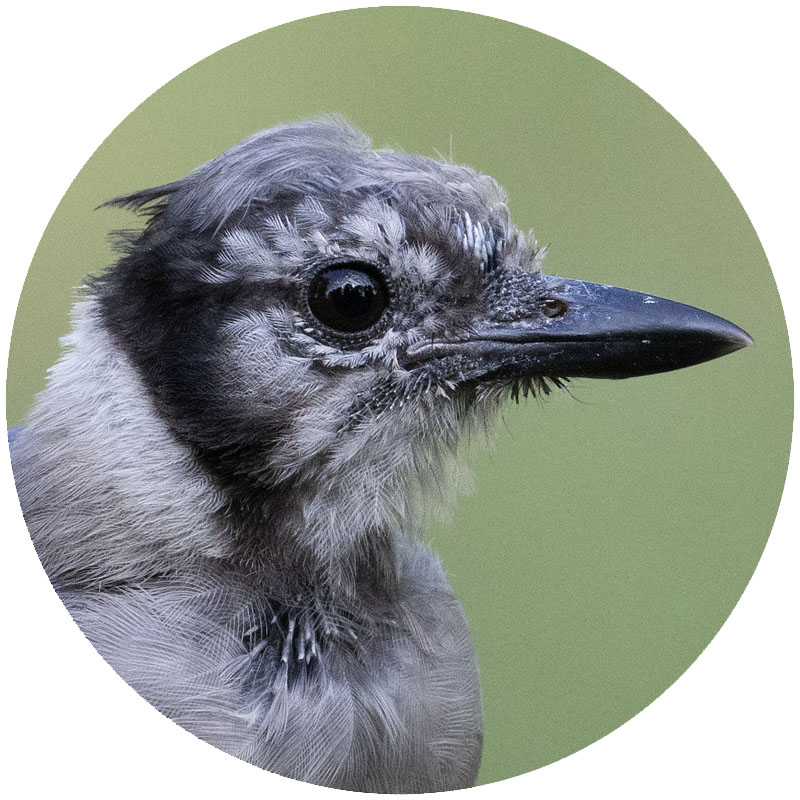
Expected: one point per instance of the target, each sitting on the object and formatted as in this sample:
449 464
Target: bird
223 476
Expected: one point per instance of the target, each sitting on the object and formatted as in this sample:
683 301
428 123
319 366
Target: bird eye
348 297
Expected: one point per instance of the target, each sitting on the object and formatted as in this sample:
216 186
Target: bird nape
220 476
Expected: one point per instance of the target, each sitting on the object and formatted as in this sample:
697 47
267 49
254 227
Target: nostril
553 307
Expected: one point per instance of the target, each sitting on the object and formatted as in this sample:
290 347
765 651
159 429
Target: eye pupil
348 297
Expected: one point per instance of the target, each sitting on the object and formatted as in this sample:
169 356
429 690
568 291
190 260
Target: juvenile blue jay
220 476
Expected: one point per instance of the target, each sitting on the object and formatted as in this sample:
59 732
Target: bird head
319 320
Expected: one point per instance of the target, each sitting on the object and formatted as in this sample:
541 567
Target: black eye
348 297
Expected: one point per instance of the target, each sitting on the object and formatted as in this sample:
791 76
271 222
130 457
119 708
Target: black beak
571 328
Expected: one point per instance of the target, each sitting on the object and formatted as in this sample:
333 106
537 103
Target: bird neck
145 507
297 542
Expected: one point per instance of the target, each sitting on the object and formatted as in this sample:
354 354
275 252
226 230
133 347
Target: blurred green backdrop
613 528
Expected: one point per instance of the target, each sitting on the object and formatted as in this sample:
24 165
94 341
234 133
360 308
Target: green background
613 528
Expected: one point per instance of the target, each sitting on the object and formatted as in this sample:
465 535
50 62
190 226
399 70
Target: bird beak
571 328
